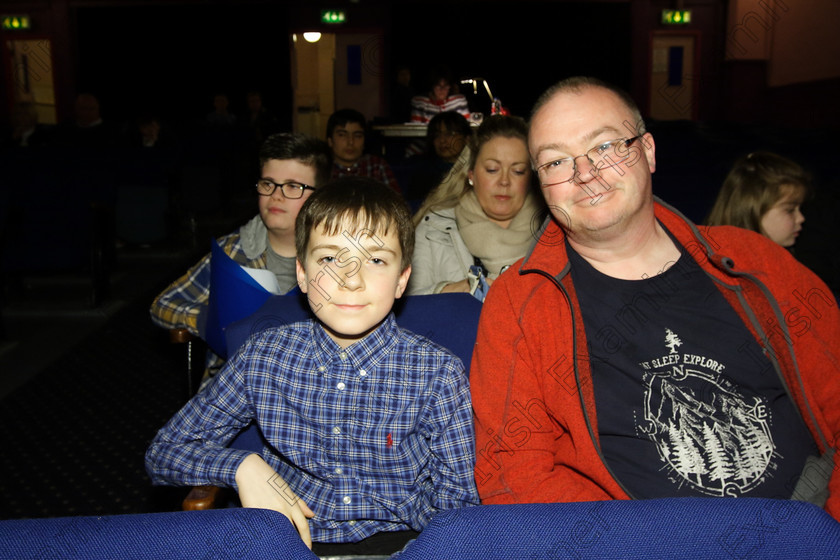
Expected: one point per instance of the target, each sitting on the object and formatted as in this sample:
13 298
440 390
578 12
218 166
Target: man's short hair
360 202
344 116
577 84
305 149
451 121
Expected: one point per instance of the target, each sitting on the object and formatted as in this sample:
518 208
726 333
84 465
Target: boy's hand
261 487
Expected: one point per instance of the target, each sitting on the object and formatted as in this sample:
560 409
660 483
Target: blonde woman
481 218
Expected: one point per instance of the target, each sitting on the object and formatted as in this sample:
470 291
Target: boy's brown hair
366 204
308 150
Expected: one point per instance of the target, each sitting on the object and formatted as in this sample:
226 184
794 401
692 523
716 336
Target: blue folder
233 295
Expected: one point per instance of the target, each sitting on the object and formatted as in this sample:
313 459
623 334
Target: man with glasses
634 355
292 166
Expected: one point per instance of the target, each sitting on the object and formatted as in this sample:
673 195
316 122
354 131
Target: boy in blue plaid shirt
369 426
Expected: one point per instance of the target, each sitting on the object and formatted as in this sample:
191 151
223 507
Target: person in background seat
293 166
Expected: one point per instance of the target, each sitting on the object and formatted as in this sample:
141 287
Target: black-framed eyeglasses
291 189
605 154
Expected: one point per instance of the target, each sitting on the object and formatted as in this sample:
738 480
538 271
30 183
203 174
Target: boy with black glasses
292 166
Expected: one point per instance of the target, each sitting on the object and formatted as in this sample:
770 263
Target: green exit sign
676 17
332 16
15 23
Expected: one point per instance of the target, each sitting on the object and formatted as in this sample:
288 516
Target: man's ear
301 276
329 141
649 150
402 282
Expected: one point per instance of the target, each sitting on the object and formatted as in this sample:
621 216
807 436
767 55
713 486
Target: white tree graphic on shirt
718 441
672 341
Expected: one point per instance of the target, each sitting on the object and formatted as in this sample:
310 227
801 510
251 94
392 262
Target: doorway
30 69
674 79
336 71
313 69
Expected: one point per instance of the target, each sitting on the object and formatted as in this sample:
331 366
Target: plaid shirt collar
365 353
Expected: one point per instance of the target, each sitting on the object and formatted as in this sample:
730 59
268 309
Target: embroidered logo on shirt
389 441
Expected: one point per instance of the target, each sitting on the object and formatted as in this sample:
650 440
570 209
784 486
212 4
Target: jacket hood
253 237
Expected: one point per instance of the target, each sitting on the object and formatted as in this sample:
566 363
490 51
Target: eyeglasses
292 189
605 154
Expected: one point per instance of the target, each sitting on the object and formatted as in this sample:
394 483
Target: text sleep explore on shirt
687 359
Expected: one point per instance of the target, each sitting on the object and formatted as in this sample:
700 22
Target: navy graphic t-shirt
687 404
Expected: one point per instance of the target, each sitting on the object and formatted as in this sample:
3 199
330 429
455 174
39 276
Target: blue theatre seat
450 320
678 528
672 528
241 534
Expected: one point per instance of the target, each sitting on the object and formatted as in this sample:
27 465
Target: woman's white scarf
497 247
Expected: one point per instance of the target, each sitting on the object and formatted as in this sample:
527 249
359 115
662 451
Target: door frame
9 70
695 85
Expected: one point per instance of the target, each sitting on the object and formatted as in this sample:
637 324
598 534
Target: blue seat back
679 528
450 320
242 533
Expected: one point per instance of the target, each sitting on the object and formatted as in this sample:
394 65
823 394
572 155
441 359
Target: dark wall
174 58
520 48
173 55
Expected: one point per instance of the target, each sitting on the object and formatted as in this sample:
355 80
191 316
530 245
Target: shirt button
362 372
343 355
351 522
336 430
346 499
322 369
340 386
338 470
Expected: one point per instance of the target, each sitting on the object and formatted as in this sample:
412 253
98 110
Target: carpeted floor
73 437
83 390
